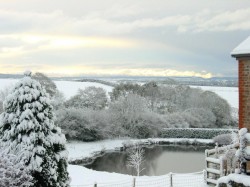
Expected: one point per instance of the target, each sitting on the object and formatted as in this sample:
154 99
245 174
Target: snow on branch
27 73
136 158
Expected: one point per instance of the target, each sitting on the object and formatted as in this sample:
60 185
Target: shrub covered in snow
27 126
223 139
81 124
199 117
13 173
234 180
243 153
194 132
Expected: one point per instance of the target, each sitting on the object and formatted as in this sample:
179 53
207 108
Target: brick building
242 54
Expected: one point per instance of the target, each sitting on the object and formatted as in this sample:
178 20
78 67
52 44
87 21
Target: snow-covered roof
242 50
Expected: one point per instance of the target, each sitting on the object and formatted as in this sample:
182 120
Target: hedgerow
201 133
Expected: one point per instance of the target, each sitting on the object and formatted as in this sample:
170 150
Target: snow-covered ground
83 177
231 94
4 83
69 88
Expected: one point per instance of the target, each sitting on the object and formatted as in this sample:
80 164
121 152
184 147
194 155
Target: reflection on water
159 160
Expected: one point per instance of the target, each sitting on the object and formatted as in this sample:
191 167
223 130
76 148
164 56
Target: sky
118 37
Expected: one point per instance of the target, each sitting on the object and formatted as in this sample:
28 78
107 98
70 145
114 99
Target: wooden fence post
134 179
205 175
171 179
222 164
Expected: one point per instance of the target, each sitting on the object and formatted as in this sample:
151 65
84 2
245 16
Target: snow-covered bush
176 120
27 129
194 132
199 117
234 180
223 139
13 173
231 160
219 106
243 153
81 124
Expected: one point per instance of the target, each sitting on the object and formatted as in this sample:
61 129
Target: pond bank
87 152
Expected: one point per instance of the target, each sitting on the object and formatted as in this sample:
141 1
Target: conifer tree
27 129
13 173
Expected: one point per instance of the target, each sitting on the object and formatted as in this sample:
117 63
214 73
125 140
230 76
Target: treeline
134 110
140 111
97 81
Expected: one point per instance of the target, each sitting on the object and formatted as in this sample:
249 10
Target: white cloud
145 32
103 24
30 43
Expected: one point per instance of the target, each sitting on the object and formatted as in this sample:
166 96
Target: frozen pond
159 160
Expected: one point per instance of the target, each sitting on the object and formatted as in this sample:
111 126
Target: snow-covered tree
3 95
46 82
58 100
13 173
81 124
27 129
91 97
136 158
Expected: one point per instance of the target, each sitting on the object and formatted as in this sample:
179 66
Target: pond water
159 160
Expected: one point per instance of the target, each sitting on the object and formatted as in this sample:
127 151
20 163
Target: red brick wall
244 93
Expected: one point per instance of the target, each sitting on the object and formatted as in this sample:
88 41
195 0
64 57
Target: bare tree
136 158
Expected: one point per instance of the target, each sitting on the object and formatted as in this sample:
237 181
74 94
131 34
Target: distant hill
214 81
199 81
10 76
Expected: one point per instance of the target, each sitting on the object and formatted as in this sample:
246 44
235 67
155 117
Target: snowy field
69 88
